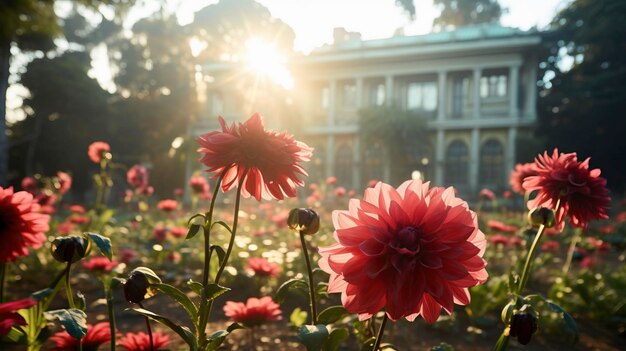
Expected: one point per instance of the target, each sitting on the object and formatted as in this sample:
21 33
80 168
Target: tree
582 107
459 13
30 25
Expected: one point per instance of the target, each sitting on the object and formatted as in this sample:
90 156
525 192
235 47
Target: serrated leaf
195 287
290 284
181 298
214 291
313 337
73 320
298 317
103 243
183 332
336 337
331 314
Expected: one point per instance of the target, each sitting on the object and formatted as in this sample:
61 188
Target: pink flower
507 194
159 233
253 312
487 194
178 232
262 267
78 219
99 264
499 239
141 341
179 192
30 184
128 255
501 227
96 335
410 250
97 150
174 257
146 191
199 185
332 180
9 315
65 182
65 228
516 179
137 176
167 205
588 262
271 160
21 224
550 246
77 209
340 191
582 192
607 229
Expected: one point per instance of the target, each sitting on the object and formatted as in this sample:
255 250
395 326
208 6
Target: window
421 96
456 163
348 94
343 164
493 86
491 163
460 92
374 164
378 95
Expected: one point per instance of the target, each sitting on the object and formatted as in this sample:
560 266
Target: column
440 158
531 91
359 92
511 151
389 98
332 92
474 161
356 161
513 94
330 155
476 96
442 106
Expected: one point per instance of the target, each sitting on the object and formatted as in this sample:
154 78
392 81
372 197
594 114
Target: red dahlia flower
137 176
262 267
9 315
487 194
199 185
253 312
141 341
501 227
271 160
167 205
97 150
409 251
561 177
96 335
100 264
65 182
21 224
521 171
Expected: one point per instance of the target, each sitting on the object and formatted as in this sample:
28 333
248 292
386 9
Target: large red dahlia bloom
141 341
409 251
9 315
253 312
521 171
561 177
21 224
271 160
96 335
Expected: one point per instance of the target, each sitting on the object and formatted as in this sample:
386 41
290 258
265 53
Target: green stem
379 336
109 296
503 341
68 288
571 250
311 286
3 270
149 329
529 260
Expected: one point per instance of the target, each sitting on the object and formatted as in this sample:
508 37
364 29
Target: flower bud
70 248
542 215
304 220
523 326
138 285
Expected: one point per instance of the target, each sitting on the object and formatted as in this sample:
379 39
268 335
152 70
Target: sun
264 60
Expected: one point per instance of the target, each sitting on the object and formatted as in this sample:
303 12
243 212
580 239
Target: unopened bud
70 248
138 285
542 215
304 220
523 326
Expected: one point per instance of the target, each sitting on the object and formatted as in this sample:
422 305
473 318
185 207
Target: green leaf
336 337
216 339
571 328
214 291
81 304
298 317
183 332
368 345
331 314
103 243
442 347
388 347
195 287
181 298
290 284
220 253
223 224
313 336
321 290
73 320
41 294
194 229
234 327
17 336
197 215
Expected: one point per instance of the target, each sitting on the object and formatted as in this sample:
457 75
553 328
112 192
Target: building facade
475 88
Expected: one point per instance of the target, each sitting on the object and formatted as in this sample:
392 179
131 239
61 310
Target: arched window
456 163
374 162
344 164
491 163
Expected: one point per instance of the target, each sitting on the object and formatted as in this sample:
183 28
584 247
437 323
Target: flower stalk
310 276
149 329
572 248
381 331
